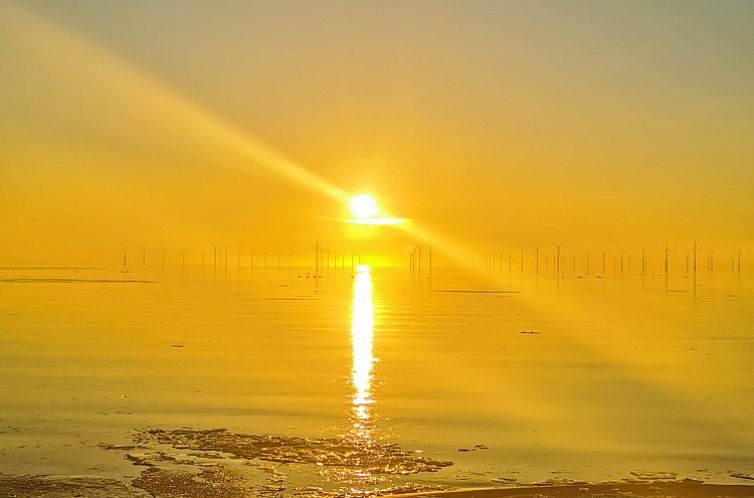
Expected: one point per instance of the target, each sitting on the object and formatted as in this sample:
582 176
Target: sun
364 211
363 206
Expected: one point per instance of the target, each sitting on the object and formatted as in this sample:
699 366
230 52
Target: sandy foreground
89 487
679 489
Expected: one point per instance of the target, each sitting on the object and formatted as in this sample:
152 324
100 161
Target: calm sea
370 379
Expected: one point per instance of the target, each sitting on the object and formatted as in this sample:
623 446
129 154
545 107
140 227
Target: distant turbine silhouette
587 262
695 250
666 266
536 263
521 267
667 261
643 261
225 249
621 264
687 264
430 262
510 264
739 262
316 259
557 265
214 260
238 261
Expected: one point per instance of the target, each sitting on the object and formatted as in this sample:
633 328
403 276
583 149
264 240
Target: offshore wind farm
156 368
370 249
530 262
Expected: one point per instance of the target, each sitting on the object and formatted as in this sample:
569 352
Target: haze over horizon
369 248
489 123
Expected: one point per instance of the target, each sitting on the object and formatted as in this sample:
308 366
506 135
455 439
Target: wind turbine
417 260
521 266
238 261
421 256
316 259
667 261
621 264
225 248
557 265
643 262
430 262
510 264
536 263
143 260
695 249
739 262
587 262
687 263
214 260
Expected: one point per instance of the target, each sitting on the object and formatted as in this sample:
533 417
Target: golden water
587 380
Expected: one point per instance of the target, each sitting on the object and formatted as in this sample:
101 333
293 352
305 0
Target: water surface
369 380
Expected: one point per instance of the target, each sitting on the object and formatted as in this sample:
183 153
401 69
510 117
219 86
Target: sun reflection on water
362 330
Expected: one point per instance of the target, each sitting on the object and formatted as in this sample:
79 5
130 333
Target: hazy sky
492 123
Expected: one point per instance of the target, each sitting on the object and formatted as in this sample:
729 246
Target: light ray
142 91
145 93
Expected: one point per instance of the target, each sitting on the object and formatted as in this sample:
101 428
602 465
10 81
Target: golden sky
491 123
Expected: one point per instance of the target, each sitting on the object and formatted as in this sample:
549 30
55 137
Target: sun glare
363 206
